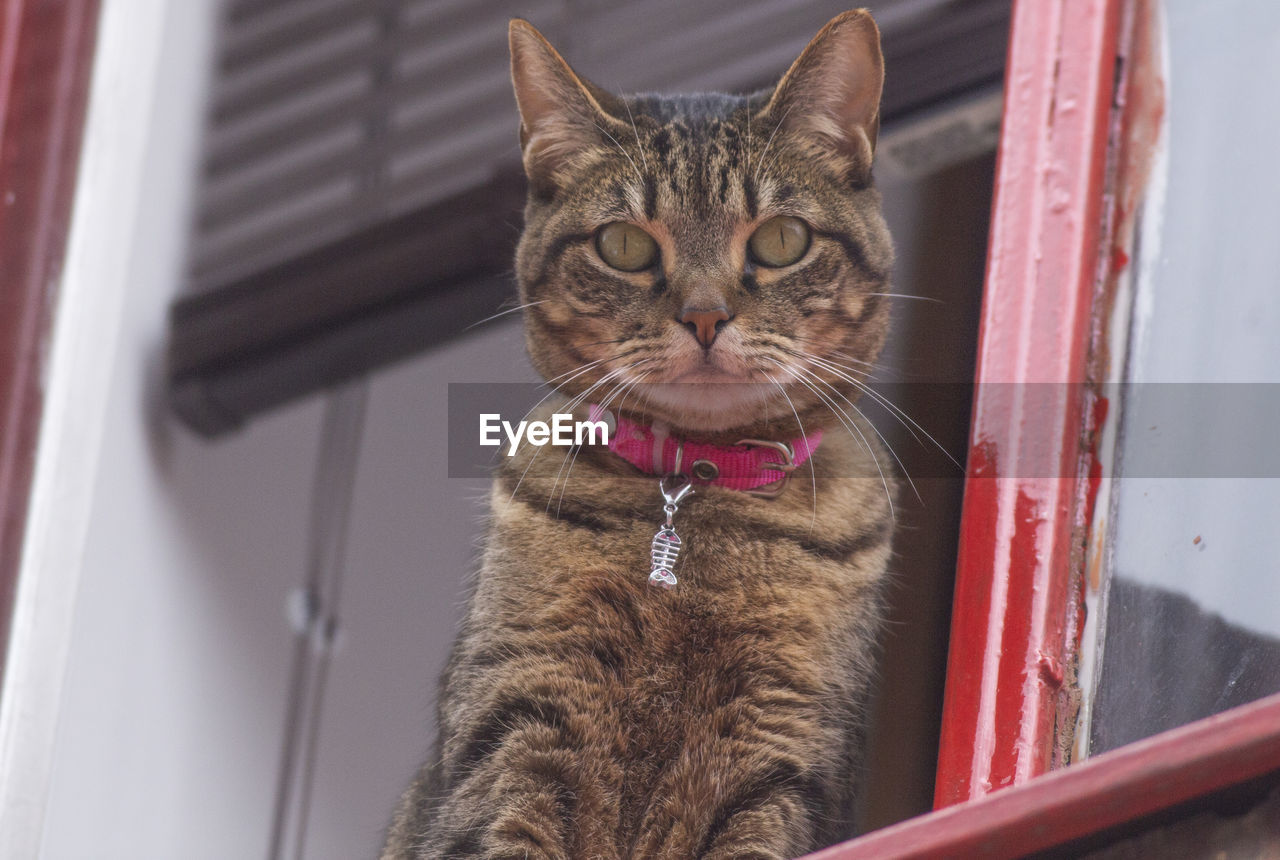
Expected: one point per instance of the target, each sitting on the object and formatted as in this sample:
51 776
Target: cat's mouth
724 365
703 389
707 373
707 396
707 404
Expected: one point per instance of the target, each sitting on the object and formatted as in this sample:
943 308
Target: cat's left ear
831 93
560 113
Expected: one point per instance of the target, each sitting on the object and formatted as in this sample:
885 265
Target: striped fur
583 713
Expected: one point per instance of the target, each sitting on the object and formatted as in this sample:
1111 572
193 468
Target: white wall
172 697
171 721
411 551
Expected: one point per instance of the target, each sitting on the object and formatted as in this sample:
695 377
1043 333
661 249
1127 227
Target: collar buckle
786 467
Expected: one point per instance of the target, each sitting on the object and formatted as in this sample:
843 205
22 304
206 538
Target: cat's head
693 256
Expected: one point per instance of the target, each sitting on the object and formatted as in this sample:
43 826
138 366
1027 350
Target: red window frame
46 51
1016 616
1102 794
1060 229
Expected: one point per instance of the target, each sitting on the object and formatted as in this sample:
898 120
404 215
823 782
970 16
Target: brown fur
584 713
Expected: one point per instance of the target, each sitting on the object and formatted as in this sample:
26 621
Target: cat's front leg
768 830
524 777
762 811
503 811
762 832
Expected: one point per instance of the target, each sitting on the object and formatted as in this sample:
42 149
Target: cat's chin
706 402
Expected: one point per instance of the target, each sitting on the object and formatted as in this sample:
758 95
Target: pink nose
705 325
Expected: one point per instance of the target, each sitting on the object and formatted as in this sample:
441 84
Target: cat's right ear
830 96
560 115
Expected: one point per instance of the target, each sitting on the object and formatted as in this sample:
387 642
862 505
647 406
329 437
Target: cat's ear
560 113
831 93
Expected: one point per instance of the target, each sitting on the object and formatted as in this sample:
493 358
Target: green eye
626 247
780 241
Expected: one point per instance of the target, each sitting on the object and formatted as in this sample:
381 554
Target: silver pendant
665 550
665 553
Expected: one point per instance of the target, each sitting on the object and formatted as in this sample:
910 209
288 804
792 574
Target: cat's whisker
636 132
576 372
849 364
908 296
779 343
849 423
578 399
776 154
852 371
903 418
849 375
812 472
879 365
791 373
884 401
573 449
806 380
846 372
570 407
838 393
768 143
604 403
624 388
635 166
504 313
839 371
828 349
623 402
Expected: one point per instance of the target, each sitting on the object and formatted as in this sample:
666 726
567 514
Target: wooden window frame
1060 230
1107 798
1016 617
46 51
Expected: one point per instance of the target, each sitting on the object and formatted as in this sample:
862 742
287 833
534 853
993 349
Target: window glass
1192 614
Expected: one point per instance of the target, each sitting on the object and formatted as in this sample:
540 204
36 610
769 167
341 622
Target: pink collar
756 466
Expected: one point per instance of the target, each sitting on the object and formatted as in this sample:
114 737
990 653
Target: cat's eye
780 241
626 247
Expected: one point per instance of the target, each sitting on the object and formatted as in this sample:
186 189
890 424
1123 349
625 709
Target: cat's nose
705 324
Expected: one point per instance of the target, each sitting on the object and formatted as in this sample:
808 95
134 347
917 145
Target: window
1070 580
1122 216
1191 614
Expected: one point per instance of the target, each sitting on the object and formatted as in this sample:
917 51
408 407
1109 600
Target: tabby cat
709 268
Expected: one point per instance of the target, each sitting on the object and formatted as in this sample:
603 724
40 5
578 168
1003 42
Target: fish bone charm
664 553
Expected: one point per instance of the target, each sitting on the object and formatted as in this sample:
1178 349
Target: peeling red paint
1119 260
1101 406
1140 108
1051 670
1015 622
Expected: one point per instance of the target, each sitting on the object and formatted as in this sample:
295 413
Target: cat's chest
703 543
